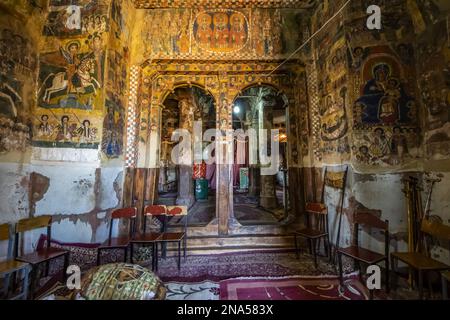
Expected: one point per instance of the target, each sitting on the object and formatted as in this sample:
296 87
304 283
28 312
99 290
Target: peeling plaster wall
383 192
13 192
78 186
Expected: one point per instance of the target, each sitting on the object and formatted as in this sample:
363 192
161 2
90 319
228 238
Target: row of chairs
152 239
317 228
26 264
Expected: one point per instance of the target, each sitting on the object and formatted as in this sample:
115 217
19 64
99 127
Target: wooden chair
121 242
177 212
44 255
316 228
176 237
359 254
11 266
445 281
421 262
151 238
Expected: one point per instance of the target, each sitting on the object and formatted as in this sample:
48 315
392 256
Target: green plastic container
201 189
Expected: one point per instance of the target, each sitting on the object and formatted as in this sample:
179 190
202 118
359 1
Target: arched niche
181 183
260 196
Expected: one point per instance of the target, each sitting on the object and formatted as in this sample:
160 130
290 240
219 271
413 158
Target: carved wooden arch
280 92
165 93
172 82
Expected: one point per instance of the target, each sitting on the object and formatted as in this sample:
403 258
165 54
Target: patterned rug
244 264
205 290
292 288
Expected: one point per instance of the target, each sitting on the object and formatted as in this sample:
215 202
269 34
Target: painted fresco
23 8
74 18
434 83
167 32
18 62
72 73
72 76
333 144
384 99
113 128
385 125
117 77
66 130
221 33
396 24
117 71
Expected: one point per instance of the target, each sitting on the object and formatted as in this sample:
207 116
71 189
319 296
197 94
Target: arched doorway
193 186
260 197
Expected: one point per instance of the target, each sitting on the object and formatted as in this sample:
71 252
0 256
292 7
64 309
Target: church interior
224 150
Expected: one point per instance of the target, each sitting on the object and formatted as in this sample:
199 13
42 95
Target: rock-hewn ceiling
162 4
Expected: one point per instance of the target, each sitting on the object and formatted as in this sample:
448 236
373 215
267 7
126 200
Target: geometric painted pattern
163 4
314 107
131 148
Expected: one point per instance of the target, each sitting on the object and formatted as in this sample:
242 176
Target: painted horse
82 80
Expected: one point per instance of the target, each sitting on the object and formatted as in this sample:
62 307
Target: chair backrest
33 223
158 211
177 210
155 210
317 216
126 214
5 235
369 218
316 208
29 224
4 232
435 229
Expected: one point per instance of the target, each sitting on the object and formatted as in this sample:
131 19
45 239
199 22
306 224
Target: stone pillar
185 182
267 198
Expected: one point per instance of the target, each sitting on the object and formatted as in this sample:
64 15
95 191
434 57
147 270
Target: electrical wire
310 38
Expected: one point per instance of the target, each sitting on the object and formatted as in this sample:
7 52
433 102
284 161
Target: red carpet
292 288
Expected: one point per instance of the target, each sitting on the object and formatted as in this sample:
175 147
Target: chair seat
362 254
11 266
311 233
120 242
419 261
172 236
42 255
148 237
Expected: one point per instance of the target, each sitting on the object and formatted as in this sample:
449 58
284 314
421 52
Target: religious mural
396 24
18 62
117 71
333 95
385 114
74 74
219 33
113 128
72 77
384 99
68 130
434 83
23 8
167 32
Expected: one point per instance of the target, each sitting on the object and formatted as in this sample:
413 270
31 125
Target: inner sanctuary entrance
193 186
260 199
